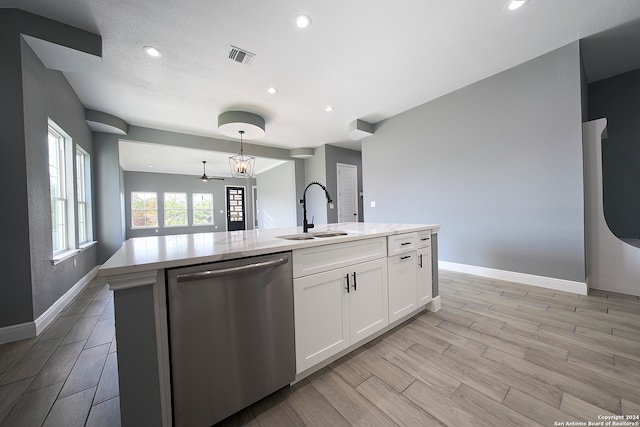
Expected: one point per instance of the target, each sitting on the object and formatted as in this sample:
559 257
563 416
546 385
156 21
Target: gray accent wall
110 181
618 100
109 200
333 156
15 293
315 170
300 169
498 164
47 94
30 95
173 183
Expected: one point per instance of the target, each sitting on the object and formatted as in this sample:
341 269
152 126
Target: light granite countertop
157 252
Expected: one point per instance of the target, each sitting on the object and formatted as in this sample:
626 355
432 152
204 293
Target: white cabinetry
403 296
368 306
321 317
409 273
424 268
401 243
342 302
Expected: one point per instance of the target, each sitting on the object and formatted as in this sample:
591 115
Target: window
83 189
58 191
202 209
175 209
144 209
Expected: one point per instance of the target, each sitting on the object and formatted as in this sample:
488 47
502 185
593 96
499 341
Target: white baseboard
31 329
49 316
435 304
512 276
17 332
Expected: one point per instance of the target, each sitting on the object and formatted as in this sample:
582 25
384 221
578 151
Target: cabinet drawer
328 257
424 238
400 243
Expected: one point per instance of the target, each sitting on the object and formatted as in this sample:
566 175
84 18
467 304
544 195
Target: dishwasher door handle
201 275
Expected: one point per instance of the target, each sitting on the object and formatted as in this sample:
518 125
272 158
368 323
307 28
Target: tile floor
67 376
496 354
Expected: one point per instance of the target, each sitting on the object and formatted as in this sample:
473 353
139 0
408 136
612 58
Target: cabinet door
403 295
368 298
424 276
321 317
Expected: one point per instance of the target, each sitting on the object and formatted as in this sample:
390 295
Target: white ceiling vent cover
240 55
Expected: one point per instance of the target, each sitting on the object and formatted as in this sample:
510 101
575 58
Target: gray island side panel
434 265
140 402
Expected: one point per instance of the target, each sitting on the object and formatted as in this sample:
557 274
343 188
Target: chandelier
241 164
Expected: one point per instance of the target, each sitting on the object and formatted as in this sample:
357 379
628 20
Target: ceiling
156 158
368 59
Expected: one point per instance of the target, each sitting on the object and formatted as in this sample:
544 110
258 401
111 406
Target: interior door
347 193
236 218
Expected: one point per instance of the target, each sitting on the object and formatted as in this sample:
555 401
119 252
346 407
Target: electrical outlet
74 263
373 204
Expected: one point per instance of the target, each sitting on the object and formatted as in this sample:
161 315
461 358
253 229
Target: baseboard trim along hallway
512 276
34 328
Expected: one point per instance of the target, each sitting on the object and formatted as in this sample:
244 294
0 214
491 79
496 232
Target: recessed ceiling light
272 90
303 21
328 109
152 51
515 4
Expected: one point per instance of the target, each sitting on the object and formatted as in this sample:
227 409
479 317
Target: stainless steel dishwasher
231 335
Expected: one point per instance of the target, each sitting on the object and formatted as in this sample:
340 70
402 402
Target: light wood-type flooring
496 354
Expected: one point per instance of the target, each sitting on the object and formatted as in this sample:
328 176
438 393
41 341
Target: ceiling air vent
240 55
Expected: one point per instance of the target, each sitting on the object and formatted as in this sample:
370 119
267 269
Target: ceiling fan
204 177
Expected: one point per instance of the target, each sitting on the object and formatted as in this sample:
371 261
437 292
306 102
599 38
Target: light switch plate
373 203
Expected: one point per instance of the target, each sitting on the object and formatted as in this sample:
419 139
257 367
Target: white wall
498 164
277 201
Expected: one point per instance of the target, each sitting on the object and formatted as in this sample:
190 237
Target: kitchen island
390 271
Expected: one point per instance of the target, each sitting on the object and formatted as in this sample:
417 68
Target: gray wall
15 292
161 183
110 190
109 197
47 94
497 163
31 94
300 184
315 170
618 99
277 202
334 155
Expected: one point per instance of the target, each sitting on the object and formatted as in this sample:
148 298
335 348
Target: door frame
356 193
254 195
226 204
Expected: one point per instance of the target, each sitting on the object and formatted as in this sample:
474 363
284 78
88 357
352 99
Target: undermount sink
330 234
296 237
311 236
